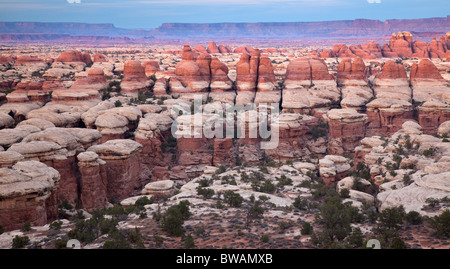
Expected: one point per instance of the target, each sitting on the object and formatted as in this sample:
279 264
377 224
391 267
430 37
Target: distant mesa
84 32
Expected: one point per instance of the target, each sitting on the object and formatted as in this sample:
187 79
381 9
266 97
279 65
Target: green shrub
441 224
429 152
307 229
284 181
20 241
256 211
173 219
189 242
398 243
265 238
56 225
345 193
26 227
205 192
414 218
118 103
158 240
141 202
221 170
204 183
60 244
65 205
301 203
267 187
233 199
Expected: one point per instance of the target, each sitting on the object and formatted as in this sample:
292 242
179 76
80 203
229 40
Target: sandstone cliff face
430 92
267 87
57 147
122 167
347 128
134 78
393 103
193 74
221 85
26 191
309 88
353 82
93 180
296 139
246 77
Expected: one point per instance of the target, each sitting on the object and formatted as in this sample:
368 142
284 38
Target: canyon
92 127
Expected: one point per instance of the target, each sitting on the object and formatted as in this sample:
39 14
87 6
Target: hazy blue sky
152 13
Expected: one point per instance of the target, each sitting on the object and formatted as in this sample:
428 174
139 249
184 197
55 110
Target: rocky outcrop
333 168
149 136
40 123
212 47
353 82
413 197
161 87
393 103
63 114
57 148
28 91
8 137
221 85
75 57
122 167
431 95
159 188
309 88
295 138
99 58
93 180
151 67
90 116
6 121
246 77
134 78
9 158
194 149
409 168
193 75
347 128
83 89
26 191
267 87
401 44
117 122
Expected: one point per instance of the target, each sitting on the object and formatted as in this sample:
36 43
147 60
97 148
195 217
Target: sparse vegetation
233 199
172 221
20 241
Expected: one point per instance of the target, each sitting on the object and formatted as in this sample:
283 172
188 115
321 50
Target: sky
148 14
